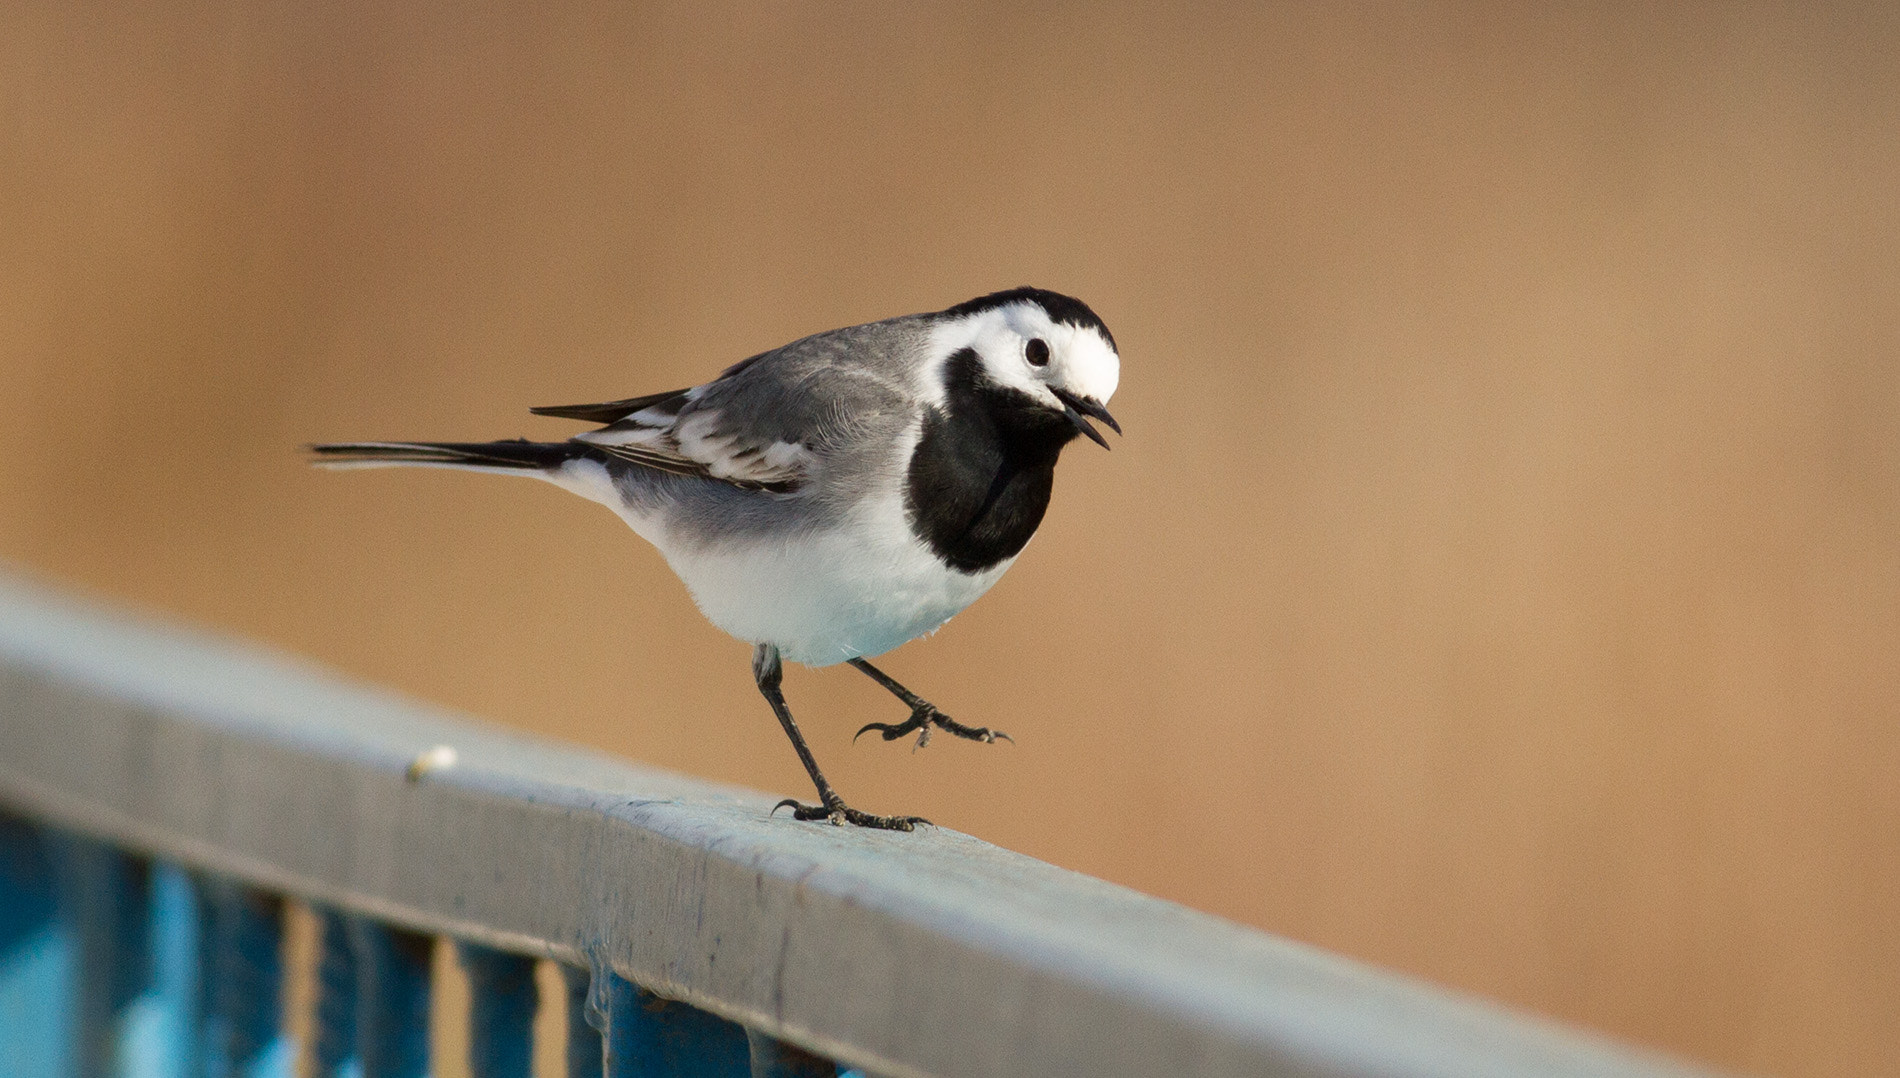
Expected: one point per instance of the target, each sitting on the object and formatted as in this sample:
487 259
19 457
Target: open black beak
1075 407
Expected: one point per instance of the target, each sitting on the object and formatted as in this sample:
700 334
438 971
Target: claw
889 731
793 801
922 721
842 814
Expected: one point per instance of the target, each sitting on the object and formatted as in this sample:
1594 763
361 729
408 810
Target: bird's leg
923 715
768 672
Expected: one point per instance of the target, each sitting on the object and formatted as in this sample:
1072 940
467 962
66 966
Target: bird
833 498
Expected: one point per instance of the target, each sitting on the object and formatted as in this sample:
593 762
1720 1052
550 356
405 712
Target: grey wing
775 420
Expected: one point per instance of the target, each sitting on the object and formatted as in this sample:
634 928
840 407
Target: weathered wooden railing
165 797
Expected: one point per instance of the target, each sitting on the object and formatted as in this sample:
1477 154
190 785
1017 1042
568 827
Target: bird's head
1043 347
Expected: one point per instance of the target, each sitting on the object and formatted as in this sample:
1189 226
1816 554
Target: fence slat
165 1029
103 896
36 957
500 1012
333 1023
242 960
392 999
586 1046
651 1037
773 1058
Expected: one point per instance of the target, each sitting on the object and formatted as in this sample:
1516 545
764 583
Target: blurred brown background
1500 579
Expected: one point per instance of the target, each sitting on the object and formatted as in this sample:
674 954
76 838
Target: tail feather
516 454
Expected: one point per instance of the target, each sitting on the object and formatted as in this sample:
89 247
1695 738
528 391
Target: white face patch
1081 361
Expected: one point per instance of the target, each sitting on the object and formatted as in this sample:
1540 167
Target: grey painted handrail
906 954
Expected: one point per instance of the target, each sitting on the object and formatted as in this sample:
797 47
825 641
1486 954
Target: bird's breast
976 492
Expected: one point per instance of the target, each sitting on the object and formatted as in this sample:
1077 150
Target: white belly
826 597
856 590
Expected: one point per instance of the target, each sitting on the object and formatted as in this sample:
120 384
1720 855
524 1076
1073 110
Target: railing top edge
1238 996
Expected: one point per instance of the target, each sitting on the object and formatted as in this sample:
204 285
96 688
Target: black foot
843 814
926 717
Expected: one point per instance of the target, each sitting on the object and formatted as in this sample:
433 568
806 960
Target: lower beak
1076 406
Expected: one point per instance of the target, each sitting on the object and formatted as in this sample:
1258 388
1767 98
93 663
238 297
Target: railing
169 797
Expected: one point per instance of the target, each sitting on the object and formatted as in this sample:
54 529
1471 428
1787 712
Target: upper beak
1075 407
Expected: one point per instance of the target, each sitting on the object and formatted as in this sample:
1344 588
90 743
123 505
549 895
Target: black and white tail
510 456
572 466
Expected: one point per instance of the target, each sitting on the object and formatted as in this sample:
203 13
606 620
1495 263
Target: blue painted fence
168 803
116 965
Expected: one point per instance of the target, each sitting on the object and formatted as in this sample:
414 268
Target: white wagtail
831 499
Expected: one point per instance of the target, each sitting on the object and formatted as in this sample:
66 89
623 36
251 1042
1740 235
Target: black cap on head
1066 309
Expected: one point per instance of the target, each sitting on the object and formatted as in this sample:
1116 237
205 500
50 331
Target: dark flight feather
609 411
516 453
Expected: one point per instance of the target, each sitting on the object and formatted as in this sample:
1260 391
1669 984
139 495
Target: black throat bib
980 476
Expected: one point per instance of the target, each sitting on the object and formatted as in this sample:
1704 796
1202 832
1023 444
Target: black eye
1036 352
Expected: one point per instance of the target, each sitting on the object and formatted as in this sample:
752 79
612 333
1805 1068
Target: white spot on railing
433 758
